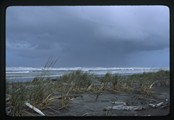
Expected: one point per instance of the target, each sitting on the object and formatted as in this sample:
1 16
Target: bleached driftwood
152 105
159 104
119 103
123 107
35 109
156 105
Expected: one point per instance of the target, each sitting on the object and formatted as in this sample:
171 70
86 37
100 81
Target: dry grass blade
90 87
152 84
70 89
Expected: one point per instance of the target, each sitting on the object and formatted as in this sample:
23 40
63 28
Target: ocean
23 74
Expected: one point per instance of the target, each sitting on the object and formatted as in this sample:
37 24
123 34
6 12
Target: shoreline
22 75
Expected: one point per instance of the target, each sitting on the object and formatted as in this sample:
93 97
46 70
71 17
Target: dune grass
81 81
40 92
16 98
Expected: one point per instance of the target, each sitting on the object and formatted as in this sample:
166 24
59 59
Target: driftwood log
119 103
156 105
124 107
35 109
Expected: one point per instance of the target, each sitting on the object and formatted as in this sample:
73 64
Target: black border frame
6 3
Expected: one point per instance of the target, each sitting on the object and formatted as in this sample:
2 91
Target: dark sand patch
88 106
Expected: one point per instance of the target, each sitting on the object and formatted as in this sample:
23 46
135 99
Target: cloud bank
88 36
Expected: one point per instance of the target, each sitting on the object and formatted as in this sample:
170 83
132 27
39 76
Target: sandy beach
86 105
76 94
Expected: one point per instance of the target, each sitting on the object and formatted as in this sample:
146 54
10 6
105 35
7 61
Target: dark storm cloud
85 36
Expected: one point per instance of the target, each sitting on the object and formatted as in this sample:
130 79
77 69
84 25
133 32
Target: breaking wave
31 72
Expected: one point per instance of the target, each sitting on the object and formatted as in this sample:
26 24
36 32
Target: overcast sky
88 36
